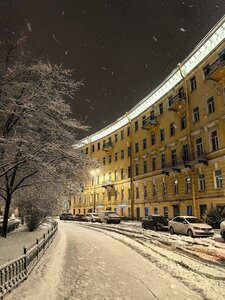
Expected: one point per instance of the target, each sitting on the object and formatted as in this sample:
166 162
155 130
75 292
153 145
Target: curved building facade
166 155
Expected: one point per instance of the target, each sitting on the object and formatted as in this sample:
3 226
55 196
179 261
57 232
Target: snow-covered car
191 226
109 217
222 231
79 217
155 222
66 216
92 217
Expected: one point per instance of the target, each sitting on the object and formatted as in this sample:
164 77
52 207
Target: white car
190 225
92 217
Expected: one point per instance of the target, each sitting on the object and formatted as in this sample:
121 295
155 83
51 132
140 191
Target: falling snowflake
154 38
91 107
112 73
66 52
29 27
103 68
182 29
63 13
54 38
88 100
146 66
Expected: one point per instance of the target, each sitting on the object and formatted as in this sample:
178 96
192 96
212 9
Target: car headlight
197 228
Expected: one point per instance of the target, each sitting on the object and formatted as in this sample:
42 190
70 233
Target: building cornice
200 52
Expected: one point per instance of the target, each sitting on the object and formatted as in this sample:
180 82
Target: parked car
79 217
190 225
222 231
109 217
66 216
155 222
92 217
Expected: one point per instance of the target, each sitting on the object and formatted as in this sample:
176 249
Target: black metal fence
14 272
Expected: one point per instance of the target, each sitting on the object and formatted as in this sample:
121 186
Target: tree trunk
6 216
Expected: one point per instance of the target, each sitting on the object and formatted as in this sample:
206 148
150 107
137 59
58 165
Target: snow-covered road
88 263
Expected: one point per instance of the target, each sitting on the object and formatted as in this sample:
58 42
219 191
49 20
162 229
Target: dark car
66 216
155 222
79 217
222 227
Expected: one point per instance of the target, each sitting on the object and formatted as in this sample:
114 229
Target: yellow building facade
166 155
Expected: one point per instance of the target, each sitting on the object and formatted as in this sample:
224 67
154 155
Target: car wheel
155 227
224 236
190 233
172 230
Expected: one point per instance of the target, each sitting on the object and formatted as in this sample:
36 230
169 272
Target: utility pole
189 139
131 167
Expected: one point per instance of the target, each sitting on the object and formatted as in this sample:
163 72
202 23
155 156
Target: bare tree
36 128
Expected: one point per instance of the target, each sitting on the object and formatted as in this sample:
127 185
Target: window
137 169
110 159
110 176
122 194
181 93
128 131
164 188
155 209
196 117
104 160
193 84
145 191
103 196
174 157
129 171
153 139
199 146
201 182
188 184
121 135
162 135
185 152
144 143
116 175
154 192
128 151
206 70
163 160
189 210
109 195
172 129
145 166
210 104
116 194
98 179
153 163
218 179
170 100
129 193
161 108
143 120
99 146
136 126
136 147
122 173
86 151
214 140
152 115
137 192
122 154
183 123
165 212
175 186
115 156
116 138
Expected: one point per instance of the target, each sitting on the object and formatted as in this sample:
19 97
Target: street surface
83 263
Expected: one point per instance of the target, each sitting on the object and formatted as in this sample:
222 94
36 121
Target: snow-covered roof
201 51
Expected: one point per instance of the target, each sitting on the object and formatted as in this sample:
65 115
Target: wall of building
154 187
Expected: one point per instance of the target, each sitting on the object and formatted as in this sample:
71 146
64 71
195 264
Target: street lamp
94 173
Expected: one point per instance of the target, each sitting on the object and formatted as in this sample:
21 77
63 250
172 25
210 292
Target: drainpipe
189 138
131 167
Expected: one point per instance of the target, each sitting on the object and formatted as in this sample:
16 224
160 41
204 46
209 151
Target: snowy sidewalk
12 246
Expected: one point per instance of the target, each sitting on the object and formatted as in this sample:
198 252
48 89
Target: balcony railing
149 122
216 71
173 165
108 183
198 157
107 146
177 102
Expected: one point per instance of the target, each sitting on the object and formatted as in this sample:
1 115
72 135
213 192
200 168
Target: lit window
175 186
188 184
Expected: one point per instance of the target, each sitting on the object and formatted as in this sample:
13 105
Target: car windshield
194 220
109 212
159 219
113 215
95 215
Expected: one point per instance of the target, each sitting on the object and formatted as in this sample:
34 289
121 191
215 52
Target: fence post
44 243
37 241
25 261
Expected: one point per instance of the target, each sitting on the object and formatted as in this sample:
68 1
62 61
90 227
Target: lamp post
94 173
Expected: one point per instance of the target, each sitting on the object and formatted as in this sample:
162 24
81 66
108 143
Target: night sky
120 49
